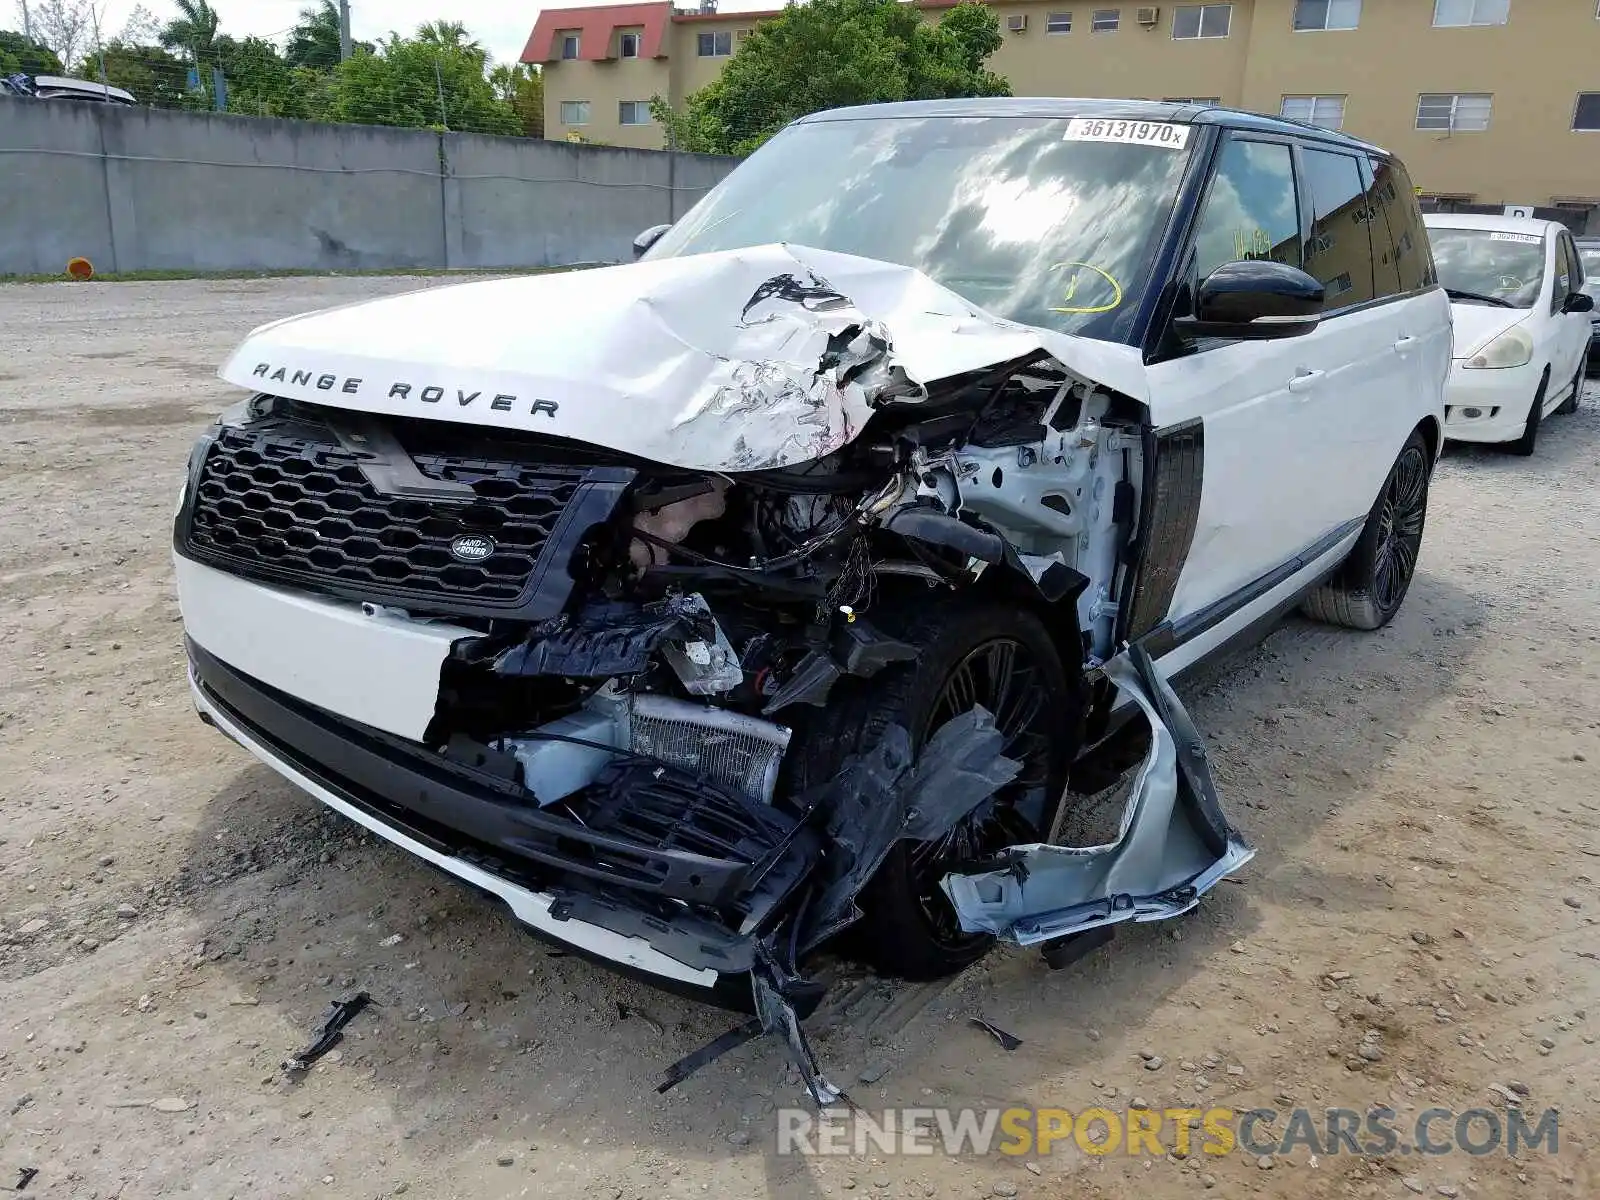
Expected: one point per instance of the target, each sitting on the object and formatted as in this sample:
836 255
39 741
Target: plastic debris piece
340 1014
1008 1042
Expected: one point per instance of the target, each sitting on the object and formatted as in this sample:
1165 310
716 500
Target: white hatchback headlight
1513 348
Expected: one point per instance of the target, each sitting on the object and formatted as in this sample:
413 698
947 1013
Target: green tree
432 82
262 83
314 41
522 87
194 28
155 76
450 34
830 53
17 53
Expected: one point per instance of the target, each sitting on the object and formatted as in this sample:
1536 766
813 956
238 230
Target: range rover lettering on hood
769 356
352 385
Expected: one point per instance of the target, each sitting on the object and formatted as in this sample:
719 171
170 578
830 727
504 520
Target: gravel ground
173 918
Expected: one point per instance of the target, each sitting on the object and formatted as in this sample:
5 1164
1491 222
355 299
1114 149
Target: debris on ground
1006 1040
340 1014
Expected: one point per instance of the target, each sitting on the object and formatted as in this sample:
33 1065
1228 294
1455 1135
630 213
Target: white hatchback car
1521 324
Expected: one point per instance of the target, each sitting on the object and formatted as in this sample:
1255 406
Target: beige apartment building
1488 101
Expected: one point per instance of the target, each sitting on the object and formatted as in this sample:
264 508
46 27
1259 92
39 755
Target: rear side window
1338 254
1397 200
1251 211
1385 254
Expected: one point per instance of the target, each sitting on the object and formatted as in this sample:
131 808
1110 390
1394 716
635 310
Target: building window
628 45
1201 21
569 45
1326 14
715 45
1326 111
1058 23
1586 116
1454 111
1470 12
574 112
633 112
1105 20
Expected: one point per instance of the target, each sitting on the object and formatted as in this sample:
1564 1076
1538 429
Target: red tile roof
595 26
596 23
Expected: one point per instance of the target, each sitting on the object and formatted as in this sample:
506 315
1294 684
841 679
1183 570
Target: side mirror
1257 299
1578 302
648 238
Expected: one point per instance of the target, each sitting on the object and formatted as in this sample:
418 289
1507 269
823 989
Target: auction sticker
1165 134
1525 239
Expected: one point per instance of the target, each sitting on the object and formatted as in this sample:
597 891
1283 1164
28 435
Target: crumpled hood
1476 325
740 360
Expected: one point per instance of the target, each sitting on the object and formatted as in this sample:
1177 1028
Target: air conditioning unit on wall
1017 22
1148 16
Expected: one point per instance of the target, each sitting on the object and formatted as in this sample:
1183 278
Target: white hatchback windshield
1490 266
1005 211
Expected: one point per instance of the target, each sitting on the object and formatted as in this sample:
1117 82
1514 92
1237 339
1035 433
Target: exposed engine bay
660 702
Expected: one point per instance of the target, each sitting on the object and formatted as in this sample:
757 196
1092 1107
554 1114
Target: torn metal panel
768 356
1173 844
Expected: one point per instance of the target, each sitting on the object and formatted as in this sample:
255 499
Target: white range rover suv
703 607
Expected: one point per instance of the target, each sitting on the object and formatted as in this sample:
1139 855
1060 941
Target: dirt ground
174 919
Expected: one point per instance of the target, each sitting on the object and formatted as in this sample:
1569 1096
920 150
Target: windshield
1590 257
1005 211
1508 267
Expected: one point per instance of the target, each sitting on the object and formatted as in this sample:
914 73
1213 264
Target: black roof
1071 106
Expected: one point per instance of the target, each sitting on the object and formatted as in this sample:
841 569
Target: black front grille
286 501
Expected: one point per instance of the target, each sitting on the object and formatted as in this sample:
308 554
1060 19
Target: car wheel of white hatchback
1570 404
1369 586
1530 432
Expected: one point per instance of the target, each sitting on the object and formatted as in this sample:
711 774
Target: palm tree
194 29
449 34
314 41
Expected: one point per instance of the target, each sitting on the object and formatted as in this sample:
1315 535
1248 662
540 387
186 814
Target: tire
1570 404
908 928
1370 585
1523 446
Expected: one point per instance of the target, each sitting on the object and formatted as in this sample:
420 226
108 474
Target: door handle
1304 381
1404 345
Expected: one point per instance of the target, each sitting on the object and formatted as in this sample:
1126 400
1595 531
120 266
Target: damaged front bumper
454 819
620 901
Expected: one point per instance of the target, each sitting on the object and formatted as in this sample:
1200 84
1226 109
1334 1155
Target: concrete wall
510 202
144 189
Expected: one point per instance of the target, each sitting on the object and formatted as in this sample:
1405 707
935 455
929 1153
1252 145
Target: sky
501 26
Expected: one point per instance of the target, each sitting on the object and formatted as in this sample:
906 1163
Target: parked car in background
57 87
1589 258
1522 324
685 604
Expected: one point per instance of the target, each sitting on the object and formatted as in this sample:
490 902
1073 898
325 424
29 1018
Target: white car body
1492 403
1190 481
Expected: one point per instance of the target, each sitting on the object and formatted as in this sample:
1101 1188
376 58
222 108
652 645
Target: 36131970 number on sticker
1165 134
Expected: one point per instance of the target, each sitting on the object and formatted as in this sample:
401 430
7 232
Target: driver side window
1251 210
